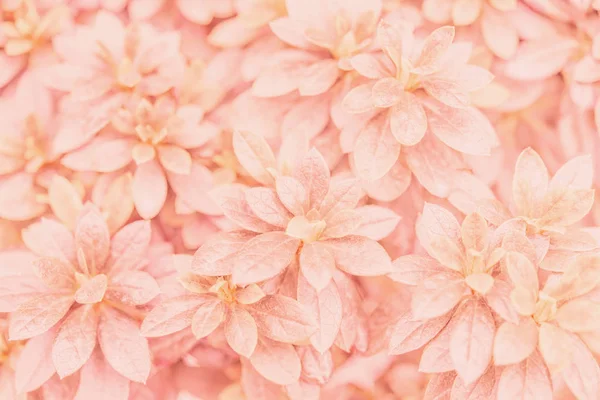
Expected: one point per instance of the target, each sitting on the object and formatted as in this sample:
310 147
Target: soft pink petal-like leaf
99 381
530 181
283 319
498 298
277 362
149 189
132 288
65 201
392 185
464 129
343 194
319 77
540 59
129 246
326 306
263 257
265 204
528 380
473 232
436 354
34 365
499 34
232 201
241 331
582 376
214 258
208 317
437 295
565 207
360 256
175 159
92 157
38 315
376 149
482 388
515 342
386 92
75 341
376 222
369 66
317 264
472 339
92 291
172 315
521 271
292 194
579 315
55 273
408 121
440 234
410 334
576 173
125 349
413 269
359 99
313 173
255 155
447 90
440 386
49 238
92 237
342 224
435 47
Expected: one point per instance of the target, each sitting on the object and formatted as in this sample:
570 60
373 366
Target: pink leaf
277 362
49 238
440 234
530 181
376 149
440 386
215 257
132 287
582 376
129 246
464 129
342 224
313 173
435 47
125 349
292 194
317 264
92 237
472 339
55 273
343 194
413 269
359 99
208 317
38 315
240 331
541 58
232 201
326 306
172 315
92 291
360 256
436 354
528 380
376 222
263 257
437 295
92 157
482 388
255 155
408 121
409 334
265 204
34 365
515 342
98 381
75 341
149 189
283 319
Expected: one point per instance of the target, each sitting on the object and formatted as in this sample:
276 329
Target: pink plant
92 287
202 199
